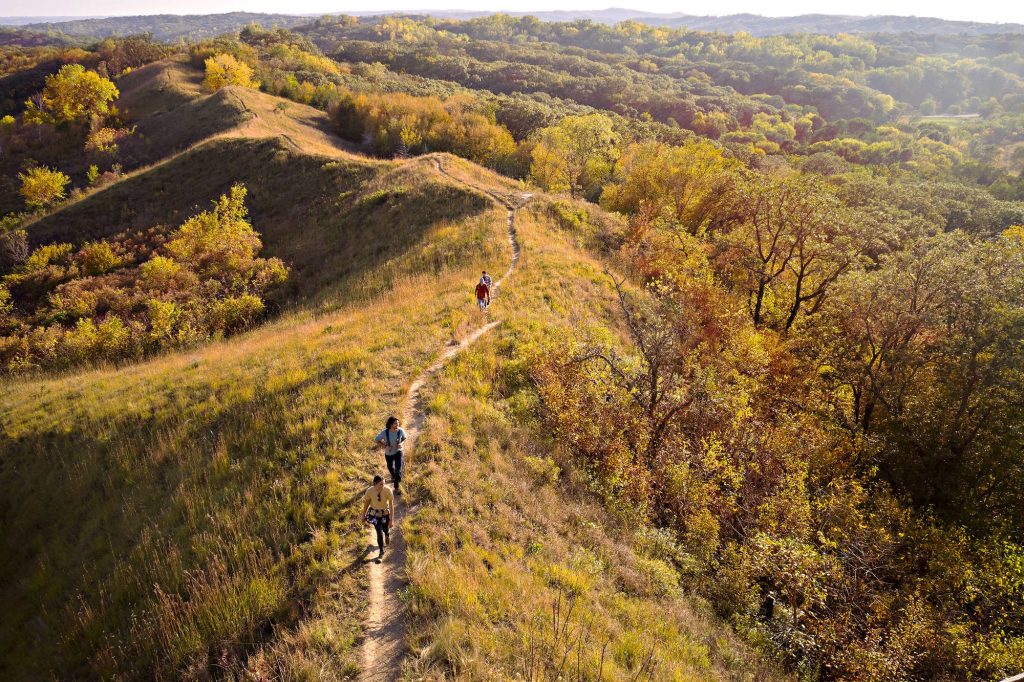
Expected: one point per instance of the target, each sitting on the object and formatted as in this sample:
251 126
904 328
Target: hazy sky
979 10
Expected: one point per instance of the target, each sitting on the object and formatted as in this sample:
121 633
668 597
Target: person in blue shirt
391 439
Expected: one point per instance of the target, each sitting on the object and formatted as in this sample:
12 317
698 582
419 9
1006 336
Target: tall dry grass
193 515
517 571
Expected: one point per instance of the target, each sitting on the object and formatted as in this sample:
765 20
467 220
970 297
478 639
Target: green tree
577 154
71 94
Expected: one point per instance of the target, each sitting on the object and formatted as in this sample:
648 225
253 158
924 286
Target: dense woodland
175 27
818 386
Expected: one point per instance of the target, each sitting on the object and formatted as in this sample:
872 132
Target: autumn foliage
821 410
136 294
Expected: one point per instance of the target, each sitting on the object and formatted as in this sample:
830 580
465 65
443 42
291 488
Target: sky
978 10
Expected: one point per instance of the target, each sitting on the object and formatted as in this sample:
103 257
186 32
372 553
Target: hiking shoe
380 555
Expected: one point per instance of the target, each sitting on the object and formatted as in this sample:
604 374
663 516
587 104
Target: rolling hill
194 515
194 27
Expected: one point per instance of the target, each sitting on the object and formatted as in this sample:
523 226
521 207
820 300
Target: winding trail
384 643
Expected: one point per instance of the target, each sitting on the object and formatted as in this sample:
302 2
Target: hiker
379 511
486 279
483 295
391 439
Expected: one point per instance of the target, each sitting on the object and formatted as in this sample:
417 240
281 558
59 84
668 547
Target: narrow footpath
384 645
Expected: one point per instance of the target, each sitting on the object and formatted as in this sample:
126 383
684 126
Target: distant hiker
391 439
483 295
486 279
379 511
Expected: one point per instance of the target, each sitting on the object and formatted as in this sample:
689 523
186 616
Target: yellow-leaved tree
687 183
42 186
71 94
223 70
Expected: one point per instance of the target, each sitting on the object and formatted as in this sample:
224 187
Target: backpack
387 437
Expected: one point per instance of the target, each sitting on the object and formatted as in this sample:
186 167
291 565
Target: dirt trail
384 645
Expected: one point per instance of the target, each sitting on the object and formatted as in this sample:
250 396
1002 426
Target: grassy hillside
517 571
201 499
329 214
192 516
169 518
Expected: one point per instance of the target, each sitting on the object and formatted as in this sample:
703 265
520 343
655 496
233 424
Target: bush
42 186
95 305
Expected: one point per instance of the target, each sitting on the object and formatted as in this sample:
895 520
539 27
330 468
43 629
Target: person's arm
366 509
379 441
391 512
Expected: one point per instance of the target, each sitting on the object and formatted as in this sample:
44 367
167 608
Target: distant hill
22 21
173 27
756 24
166 26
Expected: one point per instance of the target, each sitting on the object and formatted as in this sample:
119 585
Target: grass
192 516
517 571
200 500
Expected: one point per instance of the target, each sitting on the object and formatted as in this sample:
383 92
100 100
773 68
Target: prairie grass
516 571
193 515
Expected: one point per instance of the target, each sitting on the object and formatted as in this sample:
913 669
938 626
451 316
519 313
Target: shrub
45 256
42 186
96 258
97 306
158 272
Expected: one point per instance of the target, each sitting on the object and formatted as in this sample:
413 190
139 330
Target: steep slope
331 215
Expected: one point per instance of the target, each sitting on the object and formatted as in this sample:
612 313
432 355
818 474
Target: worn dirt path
384 643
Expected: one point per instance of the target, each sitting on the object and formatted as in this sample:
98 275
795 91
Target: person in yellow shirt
379 511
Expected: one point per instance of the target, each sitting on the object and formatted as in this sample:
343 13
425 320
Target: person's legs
390 460
396 474
385 528
381 528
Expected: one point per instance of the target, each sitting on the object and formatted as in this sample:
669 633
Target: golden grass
516 571
192 516
159 87
225 476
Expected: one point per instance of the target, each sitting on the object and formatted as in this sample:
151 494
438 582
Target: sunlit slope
187 512
172 111
191 513
516 569
193 516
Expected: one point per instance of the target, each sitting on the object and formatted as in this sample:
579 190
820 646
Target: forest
816 389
